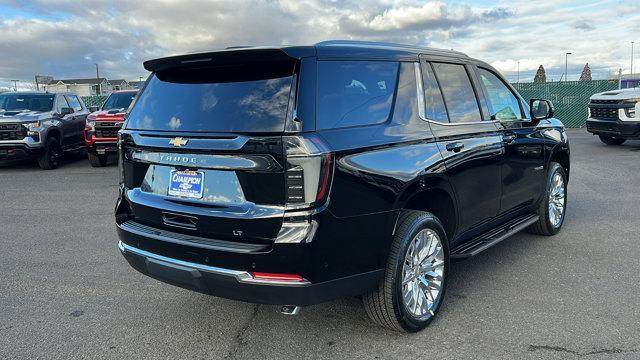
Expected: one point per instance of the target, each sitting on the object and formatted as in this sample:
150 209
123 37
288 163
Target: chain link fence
93 100
570 98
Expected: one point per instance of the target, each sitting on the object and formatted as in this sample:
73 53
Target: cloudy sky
65 38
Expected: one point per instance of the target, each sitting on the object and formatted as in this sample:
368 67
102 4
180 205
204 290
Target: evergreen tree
541 76
586 73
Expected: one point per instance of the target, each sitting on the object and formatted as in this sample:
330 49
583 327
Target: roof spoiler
229 56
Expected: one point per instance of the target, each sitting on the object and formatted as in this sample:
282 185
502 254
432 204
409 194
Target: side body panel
473 153
523 171
375 167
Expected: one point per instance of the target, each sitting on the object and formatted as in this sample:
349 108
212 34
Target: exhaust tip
290 310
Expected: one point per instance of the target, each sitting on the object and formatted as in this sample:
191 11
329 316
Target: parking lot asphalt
66 292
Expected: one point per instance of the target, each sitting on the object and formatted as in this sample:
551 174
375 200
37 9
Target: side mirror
541 109
65 111
93 108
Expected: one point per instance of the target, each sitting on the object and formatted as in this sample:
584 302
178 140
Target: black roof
368 48
334 49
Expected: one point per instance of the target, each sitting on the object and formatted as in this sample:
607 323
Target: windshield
26 102
238 98
118 101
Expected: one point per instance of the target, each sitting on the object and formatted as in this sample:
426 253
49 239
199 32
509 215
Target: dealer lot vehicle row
44 126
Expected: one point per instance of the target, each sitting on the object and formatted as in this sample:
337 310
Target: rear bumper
619 129
240 285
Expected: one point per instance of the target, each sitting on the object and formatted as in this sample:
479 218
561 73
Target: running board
483 242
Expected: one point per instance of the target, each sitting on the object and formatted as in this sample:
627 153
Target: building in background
136 84
629 81
87 87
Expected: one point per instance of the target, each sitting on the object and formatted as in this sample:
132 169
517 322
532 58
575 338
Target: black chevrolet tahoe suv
40 125
297 175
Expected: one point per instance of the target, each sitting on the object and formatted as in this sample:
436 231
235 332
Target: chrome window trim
422 104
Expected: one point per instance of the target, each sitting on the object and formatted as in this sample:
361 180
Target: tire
387 305
546 225
97 160
611 140
50 157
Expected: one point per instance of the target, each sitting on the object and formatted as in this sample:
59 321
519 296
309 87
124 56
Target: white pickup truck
615 115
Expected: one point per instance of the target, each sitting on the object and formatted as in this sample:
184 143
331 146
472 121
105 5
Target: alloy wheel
557 198
423 274
55 154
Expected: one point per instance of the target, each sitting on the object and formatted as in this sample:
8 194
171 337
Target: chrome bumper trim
240 276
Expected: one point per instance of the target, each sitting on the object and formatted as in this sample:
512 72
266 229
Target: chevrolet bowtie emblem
178 141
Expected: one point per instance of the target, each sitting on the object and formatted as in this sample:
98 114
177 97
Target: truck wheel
50 157
415 278
611 140
554 203
97 160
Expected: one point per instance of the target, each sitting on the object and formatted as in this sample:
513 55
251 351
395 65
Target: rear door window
353 93
233 98
434 103
458 92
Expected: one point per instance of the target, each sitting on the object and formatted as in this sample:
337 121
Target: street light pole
97 80
15 85
518 72
632 57
566 61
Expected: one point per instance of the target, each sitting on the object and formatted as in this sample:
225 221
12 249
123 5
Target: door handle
508 139
455 146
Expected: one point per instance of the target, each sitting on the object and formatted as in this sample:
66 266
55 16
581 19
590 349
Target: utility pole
97 80
632 58
566 61
15 85
620 78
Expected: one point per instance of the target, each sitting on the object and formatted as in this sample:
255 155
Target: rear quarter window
354 93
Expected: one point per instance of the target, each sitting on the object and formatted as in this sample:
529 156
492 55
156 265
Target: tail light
308 172
120 158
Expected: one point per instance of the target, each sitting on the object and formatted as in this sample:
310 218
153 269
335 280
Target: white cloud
66 38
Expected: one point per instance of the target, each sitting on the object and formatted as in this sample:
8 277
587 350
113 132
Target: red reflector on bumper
277 277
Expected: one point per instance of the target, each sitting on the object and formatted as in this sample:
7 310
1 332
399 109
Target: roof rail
383 44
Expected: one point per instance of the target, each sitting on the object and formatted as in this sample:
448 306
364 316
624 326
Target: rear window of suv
352 93
233 98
